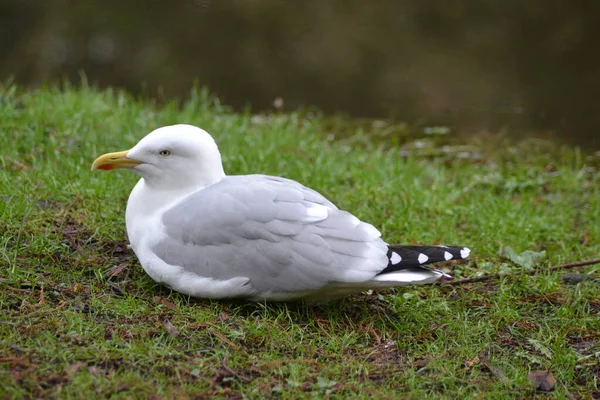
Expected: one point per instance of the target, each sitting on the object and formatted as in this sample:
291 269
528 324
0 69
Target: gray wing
281 235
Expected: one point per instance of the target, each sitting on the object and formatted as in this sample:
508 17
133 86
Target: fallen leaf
524 324
93 370
527 259
543 381
42 298
116 288
72 368
585 237
16 163
14 360
472 362
167 303
171 330
495 370
116 270
324 383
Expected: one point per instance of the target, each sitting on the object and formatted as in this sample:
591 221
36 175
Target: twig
532 272
221 337
573 265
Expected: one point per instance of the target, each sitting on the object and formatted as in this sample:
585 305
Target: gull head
171 157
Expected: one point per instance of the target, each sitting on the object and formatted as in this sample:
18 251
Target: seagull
256 237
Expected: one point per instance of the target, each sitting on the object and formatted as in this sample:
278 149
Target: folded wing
281 235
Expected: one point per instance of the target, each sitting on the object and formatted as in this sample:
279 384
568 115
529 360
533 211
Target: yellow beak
114 160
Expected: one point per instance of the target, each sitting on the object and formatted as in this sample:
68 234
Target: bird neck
146 200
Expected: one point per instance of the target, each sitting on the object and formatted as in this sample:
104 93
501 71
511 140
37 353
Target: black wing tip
402 257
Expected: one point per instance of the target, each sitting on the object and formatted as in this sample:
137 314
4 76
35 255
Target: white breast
145 228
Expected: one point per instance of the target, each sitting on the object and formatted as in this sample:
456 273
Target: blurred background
485 66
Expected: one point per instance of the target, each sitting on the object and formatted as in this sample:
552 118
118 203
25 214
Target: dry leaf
170 328
116 270
72 368
167 303
472 362
495 370
93 370
221 337
543 381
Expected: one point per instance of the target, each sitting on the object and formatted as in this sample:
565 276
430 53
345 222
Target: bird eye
164 153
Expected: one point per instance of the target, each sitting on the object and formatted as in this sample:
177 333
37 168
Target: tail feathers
416 257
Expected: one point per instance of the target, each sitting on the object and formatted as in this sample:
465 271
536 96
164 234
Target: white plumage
259 237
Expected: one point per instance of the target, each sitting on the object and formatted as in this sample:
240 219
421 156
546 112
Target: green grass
68 329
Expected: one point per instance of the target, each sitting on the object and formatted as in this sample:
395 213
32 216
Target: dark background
477 66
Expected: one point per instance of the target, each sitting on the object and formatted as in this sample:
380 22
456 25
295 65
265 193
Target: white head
171 157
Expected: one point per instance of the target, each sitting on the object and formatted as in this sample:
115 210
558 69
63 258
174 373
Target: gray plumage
273 231
209 235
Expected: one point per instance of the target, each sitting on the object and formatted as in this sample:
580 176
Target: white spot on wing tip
464 252
422 258
447 256
395 258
